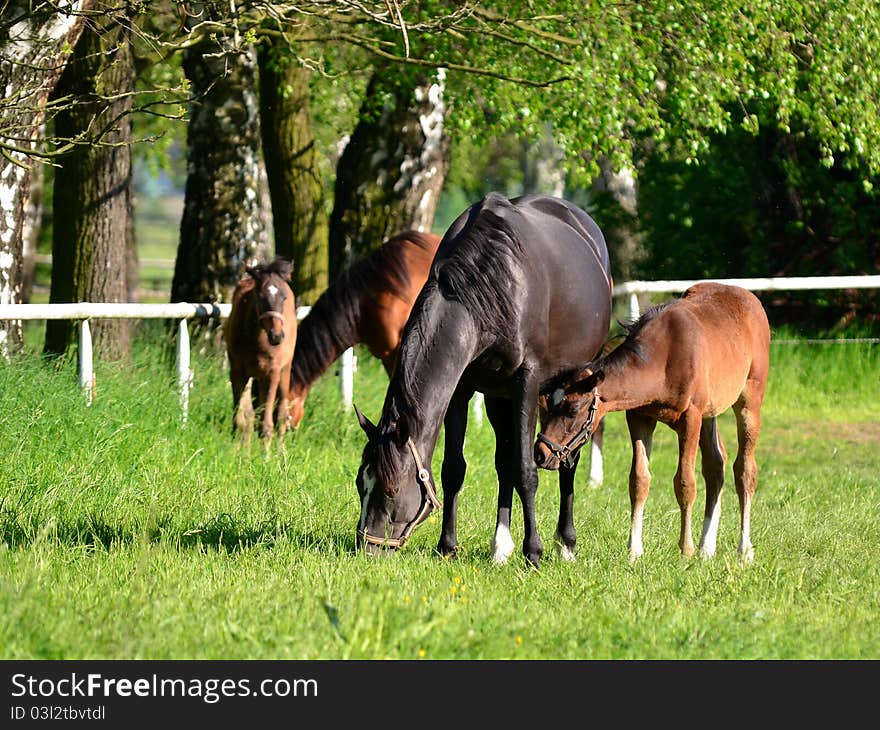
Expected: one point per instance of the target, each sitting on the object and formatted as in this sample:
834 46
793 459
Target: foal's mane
632 345
332 322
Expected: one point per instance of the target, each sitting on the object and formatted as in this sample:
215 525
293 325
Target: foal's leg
565 537
283 418
714 459
685 481
453 469
745 468
267 397
500 415
242 406
641 434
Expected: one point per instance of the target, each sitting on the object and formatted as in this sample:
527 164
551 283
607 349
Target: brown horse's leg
745 467
685 481
267 403
283 418
714 459
242 407
641 434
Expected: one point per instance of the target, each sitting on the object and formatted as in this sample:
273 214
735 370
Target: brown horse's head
568 419
271 291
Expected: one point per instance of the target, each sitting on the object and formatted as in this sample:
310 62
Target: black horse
519 295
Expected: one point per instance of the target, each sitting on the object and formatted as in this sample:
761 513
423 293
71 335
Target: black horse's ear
366 424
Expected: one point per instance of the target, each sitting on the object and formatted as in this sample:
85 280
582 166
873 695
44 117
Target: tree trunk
92 193
391 172
31 59
222 229
295 183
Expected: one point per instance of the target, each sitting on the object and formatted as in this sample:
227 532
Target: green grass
126 535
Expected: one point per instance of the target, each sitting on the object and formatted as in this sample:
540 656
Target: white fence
183 312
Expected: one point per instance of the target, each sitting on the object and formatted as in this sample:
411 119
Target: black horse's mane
331 324
477 274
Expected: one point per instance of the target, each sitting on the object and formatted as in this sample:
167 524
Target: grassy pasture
124 535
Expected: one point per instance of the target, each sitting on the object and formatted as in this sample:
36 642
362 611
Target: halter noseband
565 453
429 504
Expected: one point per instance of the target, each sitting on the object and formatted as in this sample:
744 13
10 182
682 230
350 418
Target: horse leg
641 434
597 471
565 537
267 424
688 429
243 408
714 459
283 418
453 469
500 415
525 470
745 469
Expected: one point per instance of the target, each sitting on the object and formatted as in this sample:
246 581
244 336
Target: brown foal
683 363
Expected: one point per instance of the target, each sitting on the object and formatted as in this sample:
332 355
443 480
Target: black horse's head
271 291
395 489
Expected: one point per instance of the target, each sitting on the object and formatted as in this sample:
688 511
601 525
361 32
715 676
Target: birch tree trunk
92 191
390 173
32 55
223 226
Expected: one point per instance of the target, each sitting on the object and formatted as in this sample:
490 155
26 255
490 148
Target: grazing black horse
519 294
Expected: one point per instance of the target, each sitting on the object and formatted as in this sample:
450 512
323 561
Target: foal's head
568 419
271 292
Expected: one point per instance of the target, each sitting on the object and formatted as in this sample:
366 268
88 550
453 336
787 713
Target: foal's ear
587 380
366 424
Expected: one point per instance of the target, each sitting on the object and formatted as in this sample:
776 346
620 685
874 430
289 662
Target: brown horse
683 363
369 302
260 336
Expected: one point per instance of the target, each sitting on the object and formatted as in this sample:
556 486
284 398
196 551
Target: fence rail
183 312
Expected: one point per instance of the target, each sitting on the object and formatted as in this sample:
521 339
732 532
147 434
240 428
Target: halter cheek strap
565 453
429 504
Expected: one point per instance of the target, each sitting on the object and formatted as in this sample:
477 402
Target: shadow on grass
218 533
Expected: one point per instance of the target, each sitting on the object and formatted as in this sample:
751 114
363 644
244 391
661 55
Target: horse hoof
564 551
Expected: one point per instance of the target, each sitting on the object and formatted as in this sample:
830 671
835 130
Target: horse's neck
431 362
629 382
320 341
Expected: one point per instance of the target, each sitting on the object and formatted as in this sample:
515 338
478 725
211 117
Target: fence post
346 376
184 374
634 312
86 368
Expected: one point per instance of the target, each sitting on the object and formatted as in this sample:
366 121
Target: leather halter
565 453
429 504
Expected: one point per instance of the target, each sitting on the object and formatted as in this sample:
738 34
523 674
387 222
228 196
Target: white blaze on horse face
369 486
502 545
273 290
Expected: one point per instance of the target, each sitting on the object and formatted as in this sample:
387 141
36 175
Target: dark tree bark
92 192
223 227
31 60
391 171
295 183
